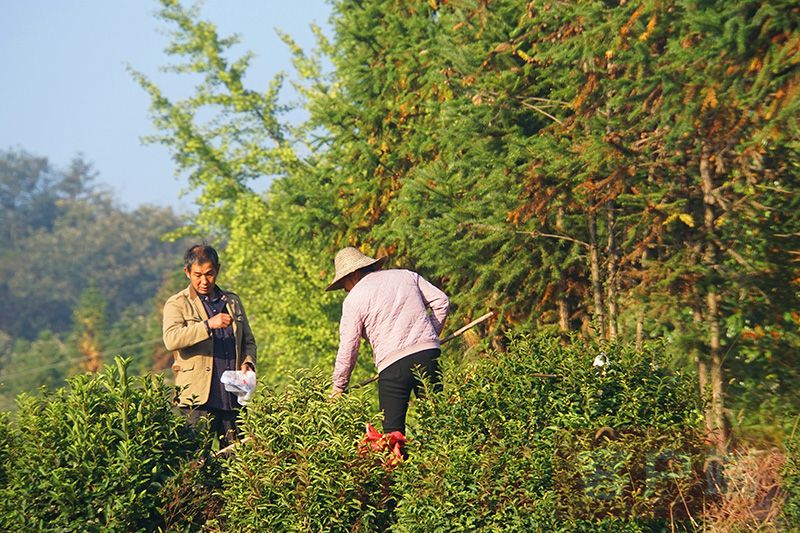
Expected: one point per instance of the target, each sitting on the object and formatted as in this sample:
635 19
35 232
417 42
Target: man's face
202 276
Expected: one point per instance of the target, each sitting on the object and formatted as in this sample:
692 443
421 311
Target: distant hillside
73 261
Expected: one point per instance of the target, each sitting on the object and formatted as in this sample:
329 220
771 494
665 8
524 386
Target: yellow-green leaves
686 218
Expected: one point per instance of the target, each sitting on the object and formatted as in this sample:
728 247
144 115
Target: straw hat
347 261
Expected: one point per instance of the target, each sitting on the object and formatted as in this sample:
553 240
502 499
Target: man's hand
248 367
222 320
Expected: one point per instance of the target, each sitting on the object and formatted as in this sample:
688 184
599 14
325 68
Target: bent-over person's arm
436 300
351 328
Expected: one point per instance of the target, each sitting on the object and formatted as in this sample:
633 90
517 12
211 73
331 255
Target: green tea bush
302 470
5 448
609 448
94 455
791 480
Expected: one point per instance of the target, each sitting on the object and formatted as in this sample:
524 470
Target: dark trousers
397 381
222 423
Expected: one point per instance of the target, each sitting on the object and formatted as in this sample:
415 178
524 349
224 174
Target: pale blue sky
64 87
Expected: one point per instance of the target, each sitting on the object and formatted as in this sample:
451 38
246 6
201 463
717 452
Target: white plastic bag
242 384
600 360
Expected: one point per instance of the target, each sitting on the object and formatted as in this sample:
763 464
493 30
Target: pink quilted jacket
389 308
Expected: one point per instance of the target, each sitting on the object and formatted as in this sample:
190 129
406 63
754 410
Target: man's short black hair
200 254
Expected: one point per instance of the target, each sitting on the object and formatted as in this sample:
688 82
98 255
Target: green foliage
626 169
31 193
302 471
33 364
498 450
283 288
89 331
136 334
501 449
93 456
225 135
791 480
5 448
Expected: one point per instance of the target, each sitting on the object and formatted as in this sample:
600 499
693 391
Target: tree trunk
563 308
611 283
717 377
640 311
712 307
702 378
597 286
563 304
639 330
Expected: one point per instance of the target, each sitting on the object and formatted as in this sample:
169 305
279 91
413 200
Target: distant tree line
80 273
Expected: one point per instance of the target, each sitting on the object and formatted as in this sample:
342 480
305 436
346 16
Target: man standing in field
208 330
402 315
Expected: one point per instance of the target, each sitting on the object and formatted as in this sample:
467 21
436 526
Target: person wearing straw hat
401 315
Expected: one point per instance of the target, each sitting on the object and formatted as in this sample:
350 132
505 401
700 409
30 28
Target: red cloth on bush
376 441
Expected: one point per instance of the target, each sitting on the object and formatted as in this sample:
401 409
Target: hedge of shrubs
303 471
605 448
609 448
93 456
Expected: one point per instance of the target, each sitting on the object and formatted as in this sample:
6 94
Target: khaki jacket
186 334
